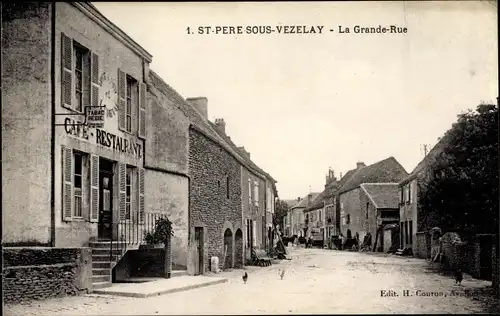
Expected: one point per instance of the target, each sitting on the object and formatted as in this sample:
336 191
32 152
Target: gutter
53 127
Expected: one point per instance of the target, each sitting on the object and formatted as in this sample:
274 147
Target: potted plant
160 235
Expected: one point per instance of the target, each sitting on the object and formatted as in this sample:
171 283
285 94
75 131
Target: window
410 235
256 193
227 187
130 191
367 208
409 192
130 102
81 72
78 184
402 234
401 196
348 219
249 191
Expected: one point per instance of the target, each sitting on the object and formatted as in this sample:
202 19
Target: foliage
163 229
460 187
280 210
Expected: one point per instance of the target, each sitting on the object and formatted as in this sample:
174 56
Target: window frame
85 55
131 101
75 188
129 192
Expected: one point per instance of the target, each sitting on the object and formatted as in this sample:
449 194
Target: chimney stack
221 125
200 104
298 199
360 165
341 175
309 198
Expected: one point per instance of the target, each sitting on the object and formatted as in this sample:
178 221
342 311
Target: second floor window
130 102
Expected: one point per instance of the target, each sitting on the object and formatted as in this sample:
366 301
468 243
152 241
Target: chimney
244 151
298 199
360 165
221 125
341 175
309 198
200 104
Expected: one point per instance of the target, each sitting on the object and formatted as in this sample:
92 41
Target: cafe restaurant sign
126 145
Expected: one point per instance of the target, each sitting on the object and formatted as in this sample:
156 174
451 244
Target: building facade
352 211
86 184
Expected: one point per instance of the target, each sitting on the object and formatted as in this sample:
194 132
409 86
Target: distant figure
245 278
282 274
458 277
343 241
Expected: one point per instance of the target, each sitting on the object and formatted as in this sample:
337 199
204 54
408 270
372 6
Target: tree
281 210
460 188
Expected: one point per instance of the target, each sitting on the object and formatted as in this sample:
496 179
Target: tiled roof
431 156
198 122
291 203
383 195
329 191
385 171
305 201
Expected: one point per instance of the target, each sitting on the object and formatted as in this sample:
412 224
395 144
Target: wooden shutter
67 183
122 86
254 233
67 70
141 129
94 89
122 190
86 86
140 191
94 188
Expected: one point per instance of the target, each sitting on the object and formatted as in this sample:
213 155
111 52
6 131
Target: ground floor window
76 186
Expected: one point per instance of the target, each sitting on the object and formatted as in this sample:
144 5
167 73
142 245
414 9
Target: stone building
352 211
68 184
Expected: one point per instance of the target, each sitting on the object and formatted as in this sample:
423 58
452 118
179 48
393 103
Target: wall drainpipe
53 127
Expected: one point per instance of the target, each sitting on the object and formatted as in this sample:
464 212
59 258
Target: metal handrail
131 233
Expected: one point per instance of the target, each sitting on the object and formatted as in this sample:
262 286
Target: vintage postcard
233 158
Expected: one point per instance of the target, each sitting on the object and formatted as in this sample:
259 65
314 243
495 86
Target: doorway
198 242
105 226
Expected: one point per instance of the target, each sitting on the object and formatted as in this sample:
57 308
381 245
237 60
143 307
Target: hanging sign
94 116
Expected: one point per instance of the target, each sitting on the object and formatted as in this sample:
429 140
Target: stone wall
209 164
351 205
26 128
457 253
420 245
41 273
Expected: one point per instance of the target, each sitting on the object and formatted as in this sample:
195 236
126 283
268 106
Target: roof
228 140
329 191
382 195
93 13
431 156
291 203
198 122
388 170
305 201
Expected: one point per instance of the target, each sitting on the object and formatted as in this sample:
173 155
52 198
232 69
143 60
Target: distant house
296 215
352 211
325 206
286 227
380 205
411 222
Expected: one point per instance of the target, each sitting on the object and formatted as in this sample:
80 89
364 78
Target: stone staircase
103 263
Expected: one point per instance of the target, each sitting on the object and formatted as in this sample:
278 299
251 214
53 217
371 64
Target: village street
316 281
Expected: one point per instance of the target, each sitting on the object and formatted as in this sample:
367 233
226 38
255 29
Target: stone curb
161 292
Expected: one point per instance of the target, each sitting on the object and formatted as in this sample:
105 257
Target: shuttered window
254 234
122 187
249 191
129 188
94 190
76 185
141 201
79 75
131 104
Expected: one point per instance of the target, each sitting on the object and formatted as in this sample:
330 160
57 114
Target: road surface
315 281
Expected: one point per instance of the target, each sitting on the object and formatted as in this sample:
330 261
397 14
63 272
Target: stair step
107 244
104 258
177 273
101 264
101 272
102 251
100 285
101 278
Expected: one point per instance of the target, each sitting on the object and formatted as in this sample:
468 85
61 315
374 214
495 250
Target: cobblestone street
316 281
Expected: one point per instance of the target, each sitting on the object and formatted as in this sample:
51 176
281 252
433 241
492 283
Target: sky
304 103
